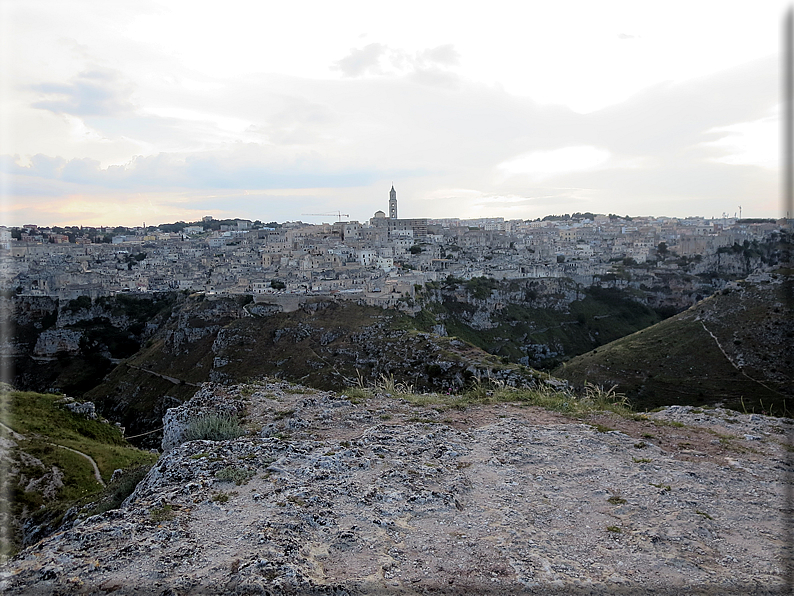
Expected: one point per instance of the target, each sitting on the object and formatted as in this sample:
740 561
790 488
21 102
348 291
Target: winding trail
729 359
97 475
20 437
173 380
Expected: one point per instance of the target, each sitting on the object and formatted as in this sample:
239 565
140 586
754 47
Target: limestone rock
54 341
380 496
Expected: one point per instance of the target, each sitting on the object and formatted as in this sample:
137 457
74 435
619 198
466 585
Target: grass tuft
234 474
387 384
491 391
161 514
358 394
213 427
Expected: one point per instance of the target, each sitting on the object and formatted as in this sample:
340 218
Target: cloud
360 62
434 76
444 54
666 118
245 166
626 36
426 66
543 164
653 152
300 122
91 93
41 166
748 143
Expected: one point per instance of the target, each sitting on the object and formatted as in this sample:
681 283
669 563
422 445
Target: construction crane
337 214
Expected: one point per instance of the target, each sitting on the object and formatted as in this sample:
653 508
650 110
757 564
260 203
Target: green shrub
213 427
79 303
234 474
161 514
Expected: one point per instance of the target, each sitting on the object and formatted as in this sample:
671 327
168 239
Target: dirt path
729 359
97 475
15 435
173 380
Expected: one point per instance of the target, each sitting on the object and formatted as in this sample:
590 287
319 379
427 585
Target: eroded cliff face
199 319
324 344
325 494
70 346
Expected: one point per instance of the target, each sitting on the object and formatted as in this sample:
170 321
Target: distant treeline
581 216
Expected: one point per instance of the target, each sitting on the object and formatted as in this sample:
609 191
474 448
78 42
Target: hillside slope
69 345
536 322
733 348
55 454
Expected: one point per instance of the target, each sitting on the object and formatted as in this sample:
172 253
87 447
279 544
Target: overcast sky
119 113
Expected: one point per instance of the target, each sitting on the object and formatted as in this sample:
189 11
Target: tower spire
392 203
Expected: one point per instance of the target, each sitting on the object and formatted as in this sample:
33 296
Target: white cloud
754 143
427 66
363 61
544 164
91 93
444 54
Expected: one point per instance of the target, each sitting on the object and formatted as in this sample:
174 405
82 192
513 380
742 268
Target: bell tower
392 203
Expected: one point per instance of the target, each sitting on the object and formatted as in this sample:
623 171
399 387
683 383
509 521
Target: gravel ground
380 496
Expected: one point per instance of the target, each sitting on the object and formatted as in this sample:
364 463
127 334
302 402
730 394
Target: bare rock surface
328 495
53 341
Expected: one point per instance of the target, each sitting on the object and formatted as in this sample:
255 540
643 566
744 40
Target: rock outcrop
86 409
332 495
70 346
57 341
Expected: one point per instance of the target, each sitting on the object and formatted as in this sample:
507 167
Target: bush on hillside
213 427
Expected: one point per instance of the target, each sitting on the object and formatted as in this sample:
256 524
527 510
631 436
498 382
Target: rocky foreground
329 496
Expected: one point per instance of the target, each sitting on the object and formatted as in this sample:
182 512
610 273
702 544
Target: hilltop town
379 262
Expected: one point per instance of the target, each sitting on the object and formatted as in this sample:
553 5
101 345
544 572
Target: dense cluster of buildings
379 262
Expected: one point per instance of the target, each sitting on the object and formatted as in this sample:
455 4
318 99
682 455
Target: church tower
392 203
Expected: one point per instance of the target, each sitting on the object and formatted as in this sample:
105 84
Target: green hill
731 348
535 322
46 452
